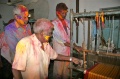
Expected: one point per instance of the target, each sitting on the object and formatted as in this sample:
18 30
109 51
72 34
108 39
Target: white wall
52 7
89 5
6 13
41 8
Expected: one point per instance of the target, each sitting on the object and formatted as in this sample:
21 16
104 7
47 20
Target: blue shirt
13 34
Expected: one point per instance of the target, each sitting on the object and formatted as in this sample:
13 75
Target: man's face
62 14
23 18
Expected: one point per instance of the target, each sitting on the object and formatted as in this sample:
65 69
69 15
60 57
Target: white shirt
60 37
32 59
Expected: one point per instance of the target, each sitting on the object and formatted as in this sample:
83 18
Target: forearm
68 45
68 58
17 74
63 58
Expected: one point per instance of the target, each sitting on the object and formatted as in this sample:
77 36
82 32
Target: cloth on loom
103 71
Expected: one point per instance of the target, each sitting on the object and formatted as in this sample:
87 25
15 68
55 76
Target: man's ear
18 17
59 15
42 32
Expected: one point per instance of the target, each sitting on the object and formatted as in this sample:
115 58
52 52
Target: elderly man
18 29
33 53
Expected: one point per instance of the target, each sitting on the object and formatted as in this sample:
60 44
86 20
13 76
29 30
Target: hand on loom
76 61
78 48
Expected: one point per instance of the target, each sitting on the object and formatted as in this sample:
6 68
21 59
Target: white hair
19 9
42 25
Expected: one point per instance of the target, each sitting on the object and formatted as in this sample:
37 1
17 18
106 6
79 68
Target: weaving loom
107 66
103 71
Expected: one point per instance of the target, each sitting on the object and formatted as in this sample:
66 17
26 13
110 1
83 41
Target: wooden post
77 23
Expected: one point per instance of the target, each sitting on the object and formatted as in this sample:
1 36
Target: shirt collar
37 42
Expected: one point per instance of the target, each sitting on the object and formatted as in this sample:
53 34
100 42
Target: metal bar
93 13
110 8
77 23
71 37
88 41
101 53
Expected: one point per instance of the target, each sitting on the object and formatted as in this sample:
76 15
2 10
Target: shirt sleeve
10 39
20 59
51 52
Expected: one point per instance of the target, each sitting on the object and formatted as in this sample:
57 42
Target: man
17 29
5 70
61 41
33 53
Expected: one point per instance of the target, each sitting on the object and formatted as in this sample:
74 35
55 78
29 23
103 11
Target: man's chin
24 24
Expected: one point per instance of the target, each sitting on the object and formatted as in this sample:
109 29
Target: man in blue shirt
17 29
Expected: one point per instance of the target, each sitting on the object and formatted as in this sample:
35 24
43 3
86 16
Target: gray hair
42 25
19 9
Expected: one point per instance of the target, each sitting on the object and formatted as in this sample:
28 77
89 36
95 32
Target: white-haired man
18 29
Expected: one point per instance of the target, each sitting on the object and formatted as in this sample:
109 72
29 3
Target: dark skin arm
78 48
17 74
67 58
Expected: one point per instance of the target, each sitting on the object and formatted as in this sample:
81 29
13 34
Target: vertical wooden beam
71 39
77 24
77 6
88 43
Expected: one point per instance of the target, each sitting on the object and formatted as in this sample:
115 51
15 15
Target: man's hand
76 60
78 48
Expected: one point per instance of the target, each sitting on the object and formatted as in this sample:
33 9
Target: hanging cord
112 45
97 26
110 33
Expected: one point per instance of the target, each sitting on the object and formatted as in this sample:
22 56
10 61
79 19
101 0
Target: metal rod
93 13
112 28
102 53
77 23
88 41
71 41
